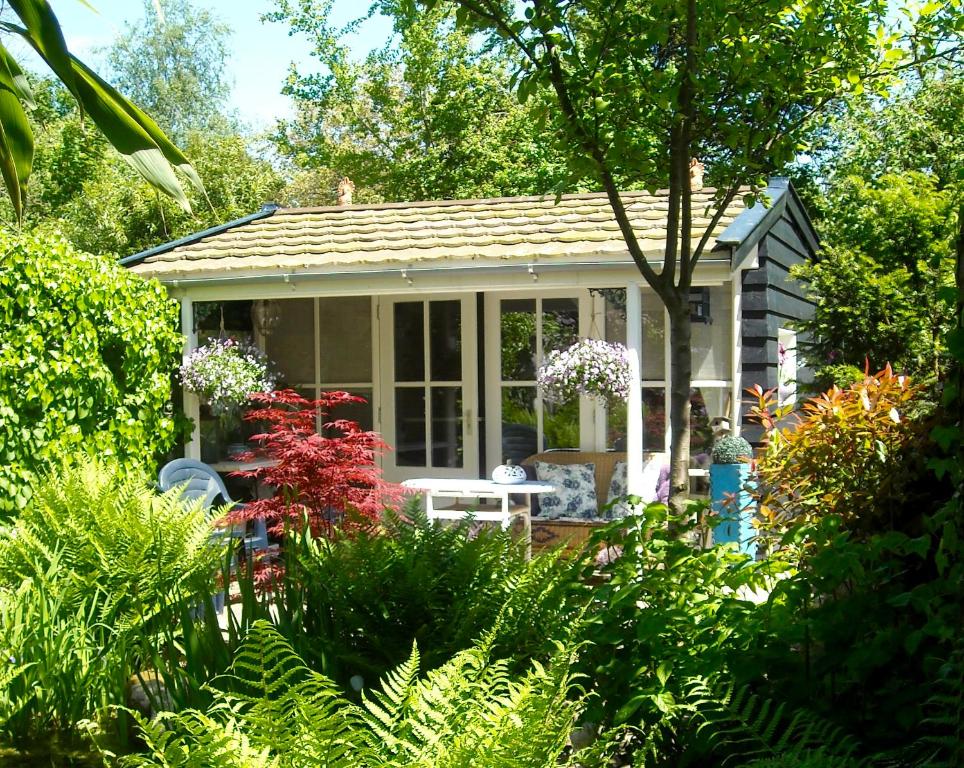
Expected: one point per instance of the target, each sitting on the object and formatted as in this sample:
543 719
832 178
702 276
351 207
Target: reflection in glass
710 340
445 340
519 435
560 424
518 334
290 343
560 323
410 427
616 427
654 418
409 338
447 427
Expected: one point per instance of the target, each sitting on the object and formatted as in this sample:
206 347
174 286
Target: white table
465 489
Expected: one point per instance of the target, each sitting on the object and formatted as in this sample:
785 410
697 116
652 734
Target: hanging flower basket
225 373
589 368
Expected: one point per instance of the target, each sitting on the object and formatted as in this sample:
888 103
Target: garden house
439 314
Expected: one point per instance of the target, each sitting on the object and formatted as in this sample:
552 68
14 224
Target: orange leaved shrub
840 454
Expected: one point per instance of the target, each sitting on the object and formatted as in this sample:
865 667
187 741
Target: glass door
429 387
526 330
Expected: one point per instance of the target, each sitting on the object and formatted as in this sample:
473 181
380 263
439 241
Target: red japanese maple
328 481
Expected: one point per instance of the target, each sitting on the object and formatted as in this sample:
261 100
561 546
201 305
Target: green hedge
86 355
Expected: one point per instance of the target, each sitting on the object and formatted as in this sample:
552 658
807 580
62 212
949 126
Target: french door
429 386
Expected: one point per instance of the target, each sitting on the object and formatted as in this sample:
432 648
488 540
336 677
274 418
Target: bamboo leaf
16 138
42 30
20 83
171 153
131 132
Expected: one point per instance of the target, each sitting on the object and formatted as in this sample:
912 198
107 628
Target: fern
91 580
273 712
745 727
942 742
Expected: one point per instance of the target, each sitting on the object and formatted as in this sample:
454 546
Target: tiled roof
399 234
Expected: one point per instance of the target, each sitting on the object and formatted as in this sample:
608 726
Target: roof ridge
475 201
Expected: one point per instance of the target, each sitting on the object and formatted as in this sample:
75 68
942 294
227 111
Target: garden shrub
86 359
356 603
841 454
96 568
665 615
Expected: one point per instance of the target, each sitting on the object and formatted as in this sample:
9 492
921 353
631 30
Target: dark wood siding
772 300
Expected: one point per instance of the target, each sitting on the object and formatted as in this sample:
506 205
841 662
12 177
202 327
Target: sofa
573 532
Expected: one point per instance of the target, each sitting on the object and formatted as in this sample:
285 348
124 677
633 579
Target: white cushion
619 484
575 494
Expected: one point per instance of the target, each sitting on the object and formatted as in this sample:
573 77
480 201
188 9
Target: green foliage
356 604
429 116
731 449
87 357
880 288
274 711
128 129
173 65
742 726
666 614
87 578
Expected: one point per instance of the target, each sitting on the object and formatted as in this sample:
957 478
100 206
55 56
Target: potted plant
224 373
730 491
589 368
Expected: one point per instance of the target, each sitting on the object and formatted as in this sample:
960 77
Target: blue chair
197 480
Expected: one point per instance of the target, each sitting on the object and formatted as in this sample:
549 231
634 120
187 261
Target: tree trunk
681 365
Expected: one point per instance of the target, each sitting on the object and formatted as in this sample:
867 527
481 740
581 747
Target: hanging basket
589 368
225 373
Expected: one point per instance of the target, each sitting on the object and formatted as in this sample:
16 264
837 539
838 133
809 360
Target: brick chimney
696 175
345 189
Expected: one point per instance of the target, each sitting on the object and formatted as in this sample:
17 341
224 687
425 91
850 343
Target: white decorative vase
508 474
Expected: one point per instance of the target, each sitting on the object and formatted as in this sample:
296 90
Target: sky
261 52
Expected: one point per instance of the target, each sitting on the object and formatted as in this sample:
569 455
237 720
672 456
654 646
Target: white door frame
588 414
469 384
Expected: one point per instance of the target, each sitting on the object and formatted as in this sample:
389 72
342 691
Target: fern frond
744 727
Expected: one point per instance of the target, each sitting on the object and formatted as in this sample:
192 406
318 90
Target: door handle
468 421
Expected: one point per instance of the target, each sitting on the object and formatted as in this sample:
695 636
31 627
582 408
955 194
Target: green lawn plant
86 359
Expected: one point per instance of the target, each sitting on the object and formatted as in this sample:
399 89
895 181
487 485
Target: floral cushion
618 489
575 494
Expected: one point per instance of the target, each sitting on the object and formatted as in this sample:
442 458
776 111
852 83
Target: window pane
653 333
654 419
409 341
518 329
290 339
616 427
615 317
711 339
560 323
410 427
446 426
654 338
519 437
445 340
346 338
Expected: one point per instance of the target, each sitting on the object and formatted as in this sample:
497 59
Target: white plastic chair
196 480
